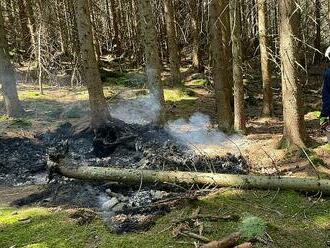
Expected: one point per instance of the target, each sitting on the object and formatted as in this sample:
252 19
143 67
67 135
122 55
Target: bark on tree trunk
25 32
153 63
227 44
173 49
317 40
239 111
195 7
91 75
267 108
328 19
7 76
219 65
133 176
115 21
294 127
31 24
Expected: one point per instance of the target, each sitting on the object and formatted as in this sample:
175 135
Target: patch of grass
199 82
293 221
31 95
178 94
4 118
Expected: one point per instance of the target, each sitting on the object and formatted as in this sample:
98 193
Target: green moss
31 95
4 118
199 82
252 227
292 219
178 94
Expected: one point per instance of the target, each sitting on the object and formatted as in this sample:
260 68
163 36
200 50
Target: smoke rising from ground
141 110
196 132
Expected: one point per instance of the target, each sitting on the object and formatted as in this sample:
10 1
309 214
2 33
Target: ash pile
125 207
130 207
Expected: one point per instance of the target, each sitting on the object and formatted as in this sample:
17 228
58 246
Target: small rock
119 207
26 220
110 204
157 194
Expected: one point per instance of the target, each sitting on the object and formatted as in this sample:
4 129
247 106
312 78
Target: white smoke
141 110
198 134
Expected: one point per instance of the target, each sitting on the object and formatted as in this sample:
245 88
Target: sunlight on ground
10 216
304 221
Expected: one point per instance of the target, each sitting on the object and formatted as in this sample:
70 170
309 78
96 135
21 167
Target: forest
164 123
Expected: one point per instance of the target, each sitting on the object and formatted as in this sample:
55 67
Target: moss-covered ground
293 220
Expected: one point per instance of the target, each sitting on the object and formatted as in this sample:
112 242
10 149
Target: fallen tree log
182 177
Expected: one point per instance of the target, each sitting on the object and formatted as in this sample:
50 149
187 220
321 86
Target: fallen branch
209 217
227 242
195 236
244 245
179 177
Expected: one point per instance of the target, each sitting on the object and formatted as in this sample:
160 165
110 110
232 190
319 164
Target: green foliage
252 227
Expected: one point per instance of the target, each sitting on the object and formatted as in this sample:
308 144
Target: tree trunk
173 49
115 21
226 43
239 111
31 24
267 109
133 176
294 127
153 63
195 7
91 75
328 19
219 65
25 31
317 40
7 76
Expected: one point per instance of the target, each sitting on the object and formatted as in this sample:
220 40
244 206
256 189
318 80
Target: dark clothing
326 95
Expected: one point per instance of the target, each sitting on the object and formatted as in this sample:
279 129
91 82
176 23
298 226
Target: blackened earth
124 208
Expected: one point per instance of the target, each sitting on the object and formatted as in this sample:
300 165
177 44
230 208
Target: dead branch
179 177
227 242
244 245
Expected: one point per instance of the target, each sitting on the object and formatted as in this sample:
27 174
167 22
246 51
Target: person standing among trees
325 113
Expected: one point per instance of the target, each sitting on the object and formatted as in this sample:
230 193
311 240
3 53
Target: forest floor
293 219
